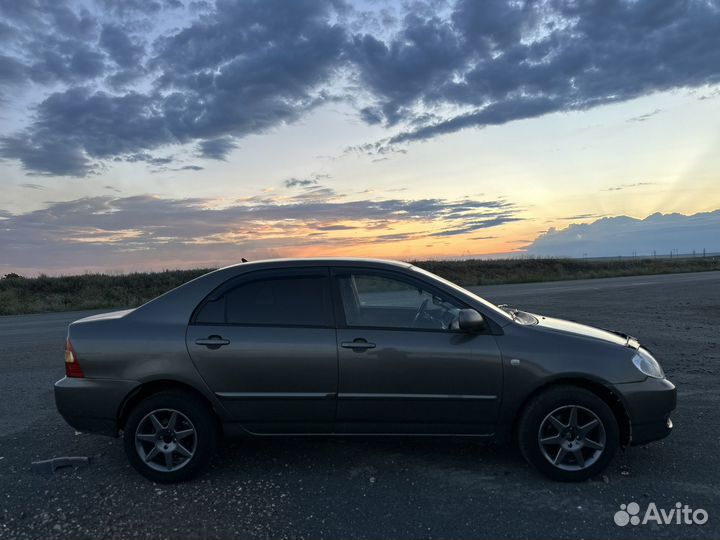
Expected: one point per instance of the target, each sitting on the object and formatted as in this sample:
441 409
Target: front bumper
92 405
649 404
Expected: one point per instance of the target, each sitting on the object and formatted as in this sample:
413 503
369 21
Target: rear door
404 365
265 343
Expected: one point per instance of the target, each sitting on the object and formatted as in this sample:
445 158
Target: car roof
320 261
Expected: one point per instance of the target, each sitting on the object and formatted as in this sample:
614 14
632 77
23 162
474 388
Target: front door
405 367
265 343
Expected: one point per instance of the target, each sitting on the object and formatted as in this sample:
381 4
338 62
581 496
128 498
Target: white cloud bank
622 235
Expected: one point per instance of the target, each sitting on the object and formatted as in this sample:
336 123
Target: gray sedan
354 347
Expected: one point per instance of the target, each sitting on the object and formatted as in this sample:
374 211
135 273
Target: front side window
299 300
387 302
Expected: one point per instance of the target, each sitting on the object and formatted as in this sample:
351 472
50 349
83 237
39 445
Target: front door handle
359 344
212 342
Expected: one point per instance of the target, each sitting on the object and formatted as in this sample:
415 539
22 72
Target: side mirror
470 320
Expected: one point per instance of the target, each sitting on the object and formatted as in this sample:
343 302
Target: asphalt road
354 488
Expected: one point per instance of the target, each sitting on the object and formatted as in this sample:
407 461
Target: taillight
72 367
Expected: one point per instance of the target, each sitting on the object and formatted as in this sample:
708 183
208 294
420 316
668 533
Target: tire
149 436
570 451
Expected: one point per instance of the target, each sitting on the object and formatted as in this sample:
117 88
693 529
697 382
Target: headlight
644 361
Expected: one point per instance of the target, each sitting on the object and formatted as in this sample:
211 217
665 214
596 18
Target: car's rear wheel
170 436
568 433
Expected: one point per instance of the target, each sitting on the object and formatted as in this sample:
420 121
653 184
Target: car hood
570 327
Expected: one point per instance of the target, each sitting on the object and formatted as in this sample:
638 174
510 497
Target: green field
20 295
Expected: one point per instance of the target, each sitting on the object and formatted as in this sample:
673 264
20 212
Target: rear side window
297 300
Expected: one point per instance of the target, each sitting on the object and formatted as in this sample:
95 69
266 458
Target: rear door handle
212 342
357 345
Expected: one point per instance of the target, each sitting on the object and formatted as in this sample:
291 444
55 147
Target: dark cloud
122 78
397 237
335 227
247 67
217 148
178 169
622 235
493 114
299 182
86 64
148 212
317 193
230 69
70 62
146 157
505 60
48 41
51 17
122 229
75 126
11 70
200 5
47 156
629 186
116 42
128 53
240 69
134 8
371 115
644 117
7 32
475 225
419 59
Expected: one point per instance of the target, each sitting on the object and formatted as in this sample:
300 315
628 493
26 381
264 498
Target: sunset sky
163 134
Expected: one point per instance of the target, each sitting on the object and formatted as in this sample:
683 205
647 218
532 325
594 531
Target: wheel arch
611 398
150 388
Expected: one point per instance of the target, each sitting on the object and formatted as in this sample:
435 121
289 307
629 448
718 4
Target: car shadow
343 455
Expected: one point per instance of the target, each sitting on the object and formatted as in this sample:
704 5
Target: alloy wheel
166 440
572 438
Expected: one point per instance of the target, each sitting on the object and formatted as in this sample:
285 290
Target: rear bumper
649 404
92 405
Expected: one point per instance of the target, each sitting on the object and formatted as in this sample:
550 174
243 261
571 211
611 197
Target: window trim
257 275
337 271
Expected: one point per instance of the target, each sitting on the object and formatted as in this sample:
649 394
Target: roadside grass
495 272
42 294
20 295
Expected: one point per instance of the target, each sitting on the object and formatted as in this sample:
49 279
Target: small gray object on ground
49 466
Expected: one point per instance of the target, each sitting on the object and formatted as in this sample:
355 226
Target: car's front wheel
170 436
568 433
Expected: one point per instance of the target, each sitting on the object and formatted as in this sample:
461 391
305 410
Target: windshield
489 305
